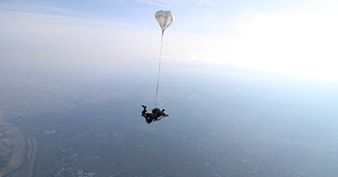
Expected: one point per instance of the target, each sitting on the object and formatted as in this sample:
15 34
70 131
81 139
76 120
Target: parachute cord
159 70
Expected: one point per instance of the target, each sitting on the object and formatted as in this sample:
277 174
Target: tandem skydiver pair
155 115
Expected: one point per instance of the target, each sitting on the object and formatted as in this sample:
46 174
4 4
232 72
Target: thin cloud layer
296 42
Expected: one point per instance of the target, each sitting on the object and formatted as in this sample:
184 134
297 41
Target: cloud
205 2
157 3
175 3
297 42
58 41
16 6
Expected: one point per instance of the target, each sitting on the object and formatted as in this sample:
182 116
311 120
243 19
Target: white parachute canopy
164 19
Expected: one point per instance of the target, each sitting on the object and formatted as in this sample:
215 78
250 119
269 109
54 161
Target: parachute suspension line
159 70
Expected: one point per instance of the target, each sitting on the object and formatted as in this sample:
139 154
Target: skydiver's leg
144 110
148 121
148 117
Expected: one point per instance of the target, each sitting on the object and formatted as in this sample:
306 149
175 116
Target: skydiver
155 114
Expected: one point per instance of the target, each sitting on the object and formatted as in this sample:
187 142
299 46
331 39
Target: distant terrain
220 124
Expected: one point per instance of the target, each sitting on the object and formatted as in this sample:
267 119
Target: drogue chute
164 19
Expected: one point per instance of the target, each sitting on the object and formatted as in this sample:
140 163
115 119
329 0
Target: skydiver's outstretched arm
164 114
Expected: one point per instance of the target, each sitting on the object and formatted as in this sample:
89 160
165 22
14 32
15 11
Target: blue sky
190 14
296 38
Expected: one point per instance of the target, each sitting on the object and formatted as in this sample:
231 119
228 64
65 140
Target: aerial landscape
250 89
